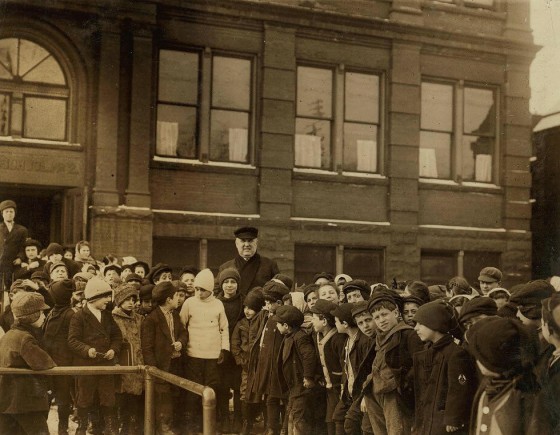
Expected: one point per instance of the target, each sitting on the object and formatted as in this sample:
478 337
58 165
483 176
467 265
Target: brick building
380 138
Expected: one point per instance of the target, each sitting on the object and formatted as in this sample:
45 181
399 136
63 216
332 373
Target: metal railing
150 375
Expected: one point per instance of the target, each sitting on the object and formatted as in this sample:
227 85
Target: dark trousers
30 423
273 413
297 415
62 390
89 386
204 372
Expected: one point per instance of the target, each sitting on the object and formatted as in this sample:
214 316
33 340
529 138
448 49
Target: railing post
149 404
208 411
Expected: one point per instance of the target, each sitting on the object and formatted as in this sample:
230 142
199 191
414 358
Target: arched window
34 92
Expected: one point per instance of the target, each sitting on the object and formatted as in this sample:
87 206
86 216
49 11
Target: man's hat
246 233
254 300
324 307
528 298
27 306
326 275
162 291
357 284
490 274
8 203
193 270
39 274
97 288
133 277
359 308
438 316
275 290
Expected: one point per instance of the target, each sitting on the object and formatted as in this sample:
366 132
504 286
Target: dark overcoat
55 337
546 413
26 272
296 360
20 348
445 381
254 272
334 356
11 245
357 354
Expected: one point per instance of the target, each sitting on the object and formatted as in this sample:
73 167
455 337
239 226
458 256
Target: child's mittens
110 354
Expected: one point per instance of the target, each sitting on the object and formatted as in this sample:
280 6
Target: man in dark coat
12 239
254 269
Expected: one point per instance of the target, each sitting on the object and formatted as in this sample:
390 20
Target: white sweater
207 325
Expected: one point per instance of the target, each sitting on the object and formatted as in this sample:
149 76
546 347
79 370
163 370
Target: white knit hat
96 288
205 280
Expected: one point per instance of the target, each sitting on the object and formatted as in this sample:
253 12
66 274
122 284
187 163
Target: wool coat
546 413
55 338
86 332
357 354
334 355
20 348
445 381
131 351
364 370
240 342
254 272
23 271
11 245
296 360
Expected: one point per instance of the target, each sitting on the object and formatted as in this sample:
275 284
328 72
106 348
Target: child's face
59 274
84 251
283 328
68 255
174 301
31 252
319 325
188 278
125 272
340 326
139 270
203 293
100 303
111 275
181 296
53 258
229 286
425 333
328 293
249 313
311 299
385 319
146 305
354 296
129 303
271 307
165 276
409 311
365 323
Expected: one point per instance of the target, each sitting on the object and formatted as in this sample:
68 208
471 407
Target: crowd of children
337 356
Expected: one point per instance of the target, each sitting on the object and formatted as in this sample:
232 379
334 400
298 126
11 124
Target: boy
329 292
444 374
95 339
410 307
500 295
475 310
164 339
389 403
356 291
240 346
489 278
160 272
146 305
187 275
58 271
205 319
181 293
311 294
297 361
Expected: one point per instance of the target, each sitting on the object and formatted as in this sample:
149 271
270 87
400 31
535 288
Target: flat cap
246 233
290 315
490 274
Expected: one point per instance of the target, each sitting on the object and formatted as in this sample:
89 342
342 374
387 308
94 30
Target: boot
111 424
82 422
63 421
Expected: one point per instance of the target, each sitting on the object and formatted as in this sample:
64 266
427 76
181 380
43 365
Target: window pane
310 260
437 268
177 253
364 264
44 118
229 136
4 115
231 83
435 155
219 251
313 143
8 56
480 112
30 54
48 71
474 262
176 131
178 77
437 107
360 147
362 98
477 158
314 92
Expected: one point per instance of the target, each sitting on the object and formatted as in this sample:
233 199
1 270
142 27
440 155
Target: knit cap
344 313
56 265
275 291
54 248
419 290
290 315
146 292
357 284
123 292
528 298
230 272
97 288
478 306
437 315
27 306
254 300
284 279
205 280
61 291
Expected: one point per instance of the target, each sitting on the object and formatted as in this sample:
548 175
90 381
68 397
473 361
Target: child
83 254
164 340
475 310
160 272
95 339
230 372
131 386
181 293
297 360
240 346
58 271
500 295
389 403
311 294
444 374
24 403
505 354
410 307
418 290
329 292
187 275
356 291
205 319
146 305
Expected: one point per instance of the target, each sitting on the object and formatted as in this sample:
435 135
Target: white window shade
167 136
366 155
238 144
483 168
428 163
308 151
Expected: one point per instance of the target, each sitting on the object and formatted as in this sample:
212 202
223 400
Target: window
458 132
34 93
177 253
218 252
204 108
359 263
319 132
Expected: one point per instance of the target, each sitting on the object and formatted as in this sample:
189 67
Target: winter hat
503 346
97 288
290 315
32 242
327 276
123 292
162 291
477 306
284 279
254 300
157 270
8 203
56 265
54 248
310 288
359 308
112 266
324 307
230 272
344 313
388 296
61 291
275 291
205 280
27 306
419 290
346 278
146 292
528 298
85 276
193 270
357 284
133 277
437 315
41 275
490 274
494 293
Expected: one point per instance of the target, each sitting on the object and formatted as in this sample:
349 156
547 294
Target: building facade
383 139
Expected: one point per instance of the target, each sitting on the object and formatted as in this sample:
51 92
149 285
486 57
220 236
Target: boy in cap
146 304
24 402
389 403
410 307
240 346
111 274
187 275
58 271
356 291
329 292
311 294
160 272
444 374
95 339
205 318
297 365
12 239
418 290
476 309
489 278
54 254
164 339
